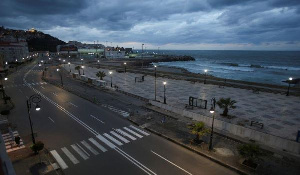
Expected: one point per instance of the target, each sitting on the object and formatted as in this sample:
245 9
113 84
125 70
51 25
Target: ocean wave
261 66
283 68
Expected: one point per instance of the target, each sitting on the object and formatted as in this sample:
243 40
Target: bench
255 123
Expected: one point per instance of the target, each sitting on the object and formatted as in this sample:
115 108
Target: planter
250 164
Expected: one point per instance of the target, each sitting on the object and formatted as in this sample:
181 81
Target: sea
271 67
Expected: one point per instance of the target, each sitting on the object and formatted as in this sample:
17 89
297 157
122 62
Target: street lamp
212 111
82 70
81 60
205 71
35 98
165 100
2 88
125 67
64 62
288 91
110 73
142 55
60 74
155 82
69 66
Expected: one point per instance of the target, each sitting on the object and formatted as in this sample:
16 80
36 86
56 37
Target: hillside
37 41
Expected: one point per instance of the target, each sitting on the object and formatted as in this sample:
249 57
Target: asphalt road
90 139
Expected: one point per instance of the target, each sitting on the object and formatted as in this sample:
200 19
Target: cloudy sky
168 24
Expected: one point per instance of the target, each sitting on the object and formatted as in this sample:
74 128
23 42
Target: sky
168 24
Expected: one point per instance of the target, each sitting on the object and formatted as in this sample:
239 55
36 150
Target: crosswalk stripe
59 160
113 139
139 130
104 140
125 134
97 145
70 155
132 132
119 137
81 153
83 150
89 147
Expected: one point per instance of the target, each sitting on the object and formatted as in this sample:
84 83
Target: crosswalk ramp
23 85
10 143
119 111
96 146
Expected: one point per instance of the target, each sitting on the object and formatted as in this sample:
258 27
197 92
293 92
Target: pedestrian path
114 109
95 146
10 144
21 85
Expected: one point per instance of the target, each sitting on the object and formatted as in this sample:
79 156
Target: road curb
193 150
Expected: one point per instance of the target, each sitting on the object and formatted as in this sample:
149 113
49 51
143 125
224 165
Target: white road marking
59 160
81 153
132 132
104 140
83 150
97 145
125 134
51 119
73 104
70 155
89 147
113 139
171 163
54 93
119 137
97 119
139 130
42 87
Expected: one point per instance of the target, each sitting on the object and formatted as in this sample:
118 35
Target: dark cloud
159 21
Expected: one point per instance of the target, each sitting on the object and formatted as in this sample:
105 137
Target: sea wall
240 131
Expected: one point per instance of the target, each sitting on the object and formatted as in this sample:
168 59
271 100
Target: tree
38 146
101 74
199 130
250 152
226 103
78 68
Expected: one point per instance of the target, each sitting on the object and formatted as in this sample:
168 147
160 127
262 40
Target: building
13 49
114 52
67 50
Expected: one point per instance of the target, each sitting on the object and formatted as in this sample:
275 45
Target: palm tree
101 74
78 68
199 130
226 103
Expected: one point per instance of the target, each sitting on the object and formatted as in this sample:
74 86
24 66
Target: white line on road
83 150
119 137
81 153
42 87
97 145
59 160
139 130
89 147
125 134
113 139
97 119
171 163
73 104
51 119
70 155
132 132
104 140
54 93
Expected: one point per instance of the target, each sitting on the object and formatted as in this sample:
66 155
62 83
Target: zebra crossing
20 85
94 146
10 143
114 109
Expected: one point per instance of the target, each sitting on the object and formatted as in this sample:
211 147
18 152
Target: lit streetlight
288 90
82 70
212 111
110 73
125 67
69 66
155 82
60 74
165 99
33 99
205 73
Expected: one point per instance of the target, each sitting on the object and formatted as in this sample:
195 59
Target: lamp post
61 80
82 70
155 82
69 66
165 99
288 90
142 55
212 111
3 92
110 73
205 72
81 61
35 98
125 67
64 62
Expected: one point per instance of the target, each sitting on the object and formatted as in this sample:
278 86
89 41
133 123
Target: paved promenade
279 113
